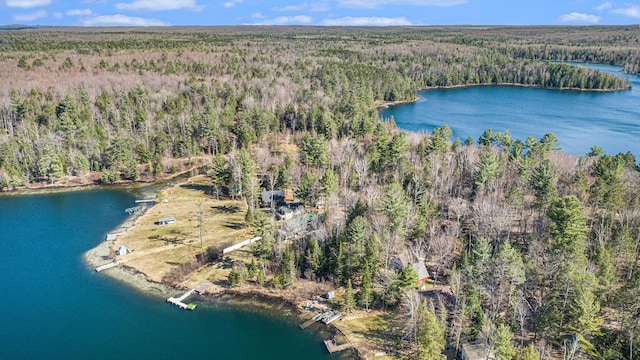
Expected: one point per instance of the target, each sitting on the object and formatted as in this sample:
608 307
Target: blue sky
317 12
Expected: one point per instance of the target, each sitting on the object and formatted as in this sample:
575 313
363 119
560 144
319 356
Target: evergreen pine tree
349 302
431 339
365 296
502 342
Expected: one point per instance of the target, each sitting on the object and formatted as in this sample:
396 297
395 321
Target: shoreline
92 180
247 297
461 86
389 104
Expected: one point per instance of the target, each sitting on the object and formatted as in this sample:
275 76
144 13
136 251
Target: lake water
579 119
54 307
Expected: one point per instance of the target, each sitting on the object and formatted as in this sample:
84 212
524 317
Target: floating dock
332 347
107 266
307 323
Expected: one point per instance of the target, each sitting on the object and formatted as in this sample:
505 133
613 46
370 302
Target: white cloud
287 20
257 16
373 4
603 6
633 11
121 20
79 12
26 4
31 16
579 17
58 15
366 21
232 3
159 5
316 7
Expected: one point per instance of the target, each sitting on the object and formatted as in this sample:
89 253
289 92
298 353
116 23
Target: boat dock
107 266
307 323
332 347
148 201
179 300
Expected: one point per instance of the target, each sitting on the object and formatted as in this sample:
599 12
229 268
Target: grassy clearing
168 252
370 331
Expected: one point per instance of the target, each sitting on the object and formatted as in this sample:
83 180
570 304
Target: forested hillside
539 249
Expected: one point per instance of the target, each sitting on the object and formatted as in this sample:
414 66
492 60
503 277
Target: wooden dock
150 201
332 347
307 323
179 300
107 266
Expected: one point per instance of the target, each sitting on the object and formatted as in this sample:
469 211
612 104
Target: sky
317 12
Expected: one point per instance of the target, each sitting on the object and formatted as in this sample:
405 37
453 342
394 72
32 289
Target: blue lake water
54 307
579 119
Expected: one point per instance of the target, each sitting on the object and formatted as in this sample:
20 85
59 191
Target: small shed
330 295
167 220
288 195
111 236
122 250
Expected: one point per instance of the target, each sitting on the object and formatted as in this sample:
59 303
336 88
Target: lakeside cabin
276 197
269 198
167 221
476 350
402 261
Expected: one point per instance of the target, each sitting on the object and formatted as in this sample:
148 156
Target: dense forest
539 249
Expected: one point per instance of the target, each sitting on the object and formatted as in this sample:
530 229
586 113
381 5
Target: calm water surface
54 307
579 119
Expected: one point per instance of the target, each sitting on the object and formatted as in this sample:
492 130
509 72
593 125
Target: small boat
330 317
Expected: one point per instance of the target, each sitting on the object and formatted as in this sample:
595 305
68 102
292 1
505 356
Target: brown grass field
168 253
